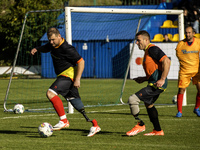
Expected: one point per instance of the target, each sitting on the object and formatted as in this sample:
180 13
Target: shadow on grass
34 134
116 113
85 132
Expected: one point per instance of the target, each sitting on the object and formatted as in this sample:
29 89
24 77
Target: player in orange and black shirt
156 65
187 52
69 66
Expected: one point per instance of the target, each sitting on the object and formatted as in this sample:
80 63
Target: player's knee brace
133 102
77 104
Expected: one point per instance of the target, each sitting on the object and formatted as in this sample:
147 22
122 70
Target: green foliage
94 2
12 19
12 14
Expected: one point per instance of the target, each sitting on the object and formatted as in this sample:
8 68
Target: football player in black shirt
69 66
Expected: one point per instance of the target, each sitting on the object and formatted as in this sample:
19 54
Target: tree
12 17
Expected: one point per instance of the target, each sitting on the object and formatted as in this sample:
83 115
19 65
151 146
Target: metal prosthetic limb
138 119
134 107
82 111
78 105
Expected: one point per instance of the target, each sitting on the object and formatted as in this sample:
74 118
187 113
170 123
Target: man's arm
44 49
140 79
80 68
33 51
166 66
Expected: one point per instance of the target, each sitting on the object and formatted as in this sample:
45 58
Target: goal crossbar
125 11
69 10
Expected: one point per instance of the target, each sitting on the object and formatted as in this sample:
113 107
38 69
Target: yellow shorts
184 79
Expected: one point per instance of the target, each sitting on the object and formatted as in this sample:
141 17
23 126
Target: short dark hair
52 31
144 33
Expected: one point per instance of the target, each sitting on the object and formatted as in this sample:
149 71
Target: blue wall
47 66
102 59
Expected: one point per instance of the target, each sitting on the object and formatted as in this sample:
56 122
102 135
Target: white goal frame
69 10
68 22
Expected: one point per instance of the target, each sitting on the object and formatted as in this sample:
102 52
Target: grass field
20 131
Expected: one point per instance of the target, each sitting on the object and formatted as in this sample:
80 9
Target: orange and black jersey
65 57
152 64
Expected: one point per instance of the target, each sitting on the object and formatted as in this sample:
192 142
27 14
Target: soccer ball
45 130
18 109
174 99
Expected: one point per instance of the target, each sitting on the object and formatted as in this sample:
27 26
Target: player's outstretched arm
44 49
140 79
33 51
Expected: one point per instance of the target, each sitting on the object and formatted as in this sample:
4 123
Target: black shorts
65 86
148 94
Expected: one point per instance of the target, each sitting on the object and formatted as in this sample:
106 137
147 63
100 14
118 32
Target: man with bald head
187 52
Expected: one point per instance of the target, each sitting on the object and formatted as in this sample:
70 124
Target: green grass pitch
20 131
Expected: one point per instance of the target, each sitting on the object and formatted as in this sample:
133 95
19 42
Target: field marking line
112 110
27 116
140 108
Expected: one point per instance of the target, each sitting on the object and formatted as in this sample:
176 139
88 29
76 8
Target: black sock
153 116
141 123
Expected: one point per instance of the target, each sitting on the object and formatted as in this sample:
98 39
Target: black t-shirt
63 57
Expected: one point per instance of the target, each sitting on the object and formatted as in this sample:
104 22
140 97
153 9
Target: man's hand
159 83
77 83
33 51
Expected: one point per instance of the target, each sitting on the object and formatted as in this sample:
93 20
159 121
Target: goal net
104 37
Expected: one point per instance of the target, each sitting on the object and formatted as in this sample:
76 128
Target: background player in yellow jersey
187 52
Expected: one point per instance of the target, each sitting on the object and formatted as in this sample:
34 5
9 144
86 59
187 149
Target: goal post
69 10
68 23
107 52
23 66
